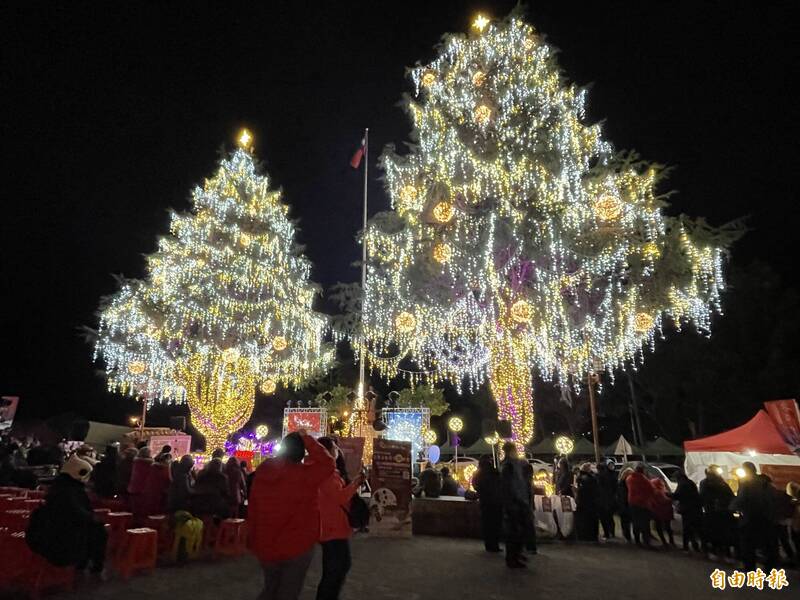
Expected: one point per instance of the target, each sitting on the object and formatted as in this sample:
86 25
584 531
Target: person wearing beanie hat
64 530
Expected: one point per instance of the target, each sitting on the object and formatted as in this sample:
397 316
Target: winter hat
77 468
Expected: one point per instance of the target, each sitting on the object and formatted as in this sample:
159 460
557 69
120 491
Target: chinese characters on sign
776 580
390 480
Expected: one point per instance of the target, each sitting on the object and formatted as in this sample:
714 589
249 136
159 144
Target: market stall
759 441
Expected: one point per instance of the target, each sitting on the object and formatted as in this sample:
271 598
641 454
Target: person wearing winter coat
662 511
718 522
139 474
564 478
180 488
237 485
586 518
211 494
517 510
124 471
104 475
64 530
487 485
283 513
756 504
157 485
430 483
623 510
793 491
640 501
449 484
690 508
335 494
606 498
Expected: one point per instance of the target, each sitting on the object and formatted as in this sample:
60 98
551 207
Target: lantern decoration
279 343
442 253
455 424
564 445
522 311
428 78
478 78
262 431
608 208
482 114
443 212
642 322
430 436
136 367
405 322
268 387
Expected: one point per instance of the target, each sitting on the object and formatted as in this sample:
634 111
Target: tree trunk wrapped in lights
225 307
519 242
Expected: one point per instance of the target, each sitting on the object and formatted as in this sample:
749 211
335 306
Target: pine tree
519 241
226 306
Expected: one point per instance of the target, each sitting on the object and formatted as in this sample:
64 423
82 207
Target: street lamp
455 424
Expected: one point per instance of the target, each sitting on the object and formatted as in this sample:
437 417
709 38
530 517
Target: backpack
188 537
358 515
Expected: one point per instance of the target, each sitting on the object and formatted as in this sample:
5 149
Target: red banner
311 421
785 415
781 474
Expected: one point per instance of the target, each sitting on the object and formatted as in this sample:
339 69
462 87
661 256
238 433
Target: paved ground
424 568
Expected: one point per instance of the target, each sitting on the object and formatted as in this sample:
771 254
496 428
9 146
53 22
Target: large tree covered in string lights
226 306
519 241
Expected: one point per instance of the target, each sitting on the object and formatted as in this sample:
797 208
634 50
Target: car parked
668 473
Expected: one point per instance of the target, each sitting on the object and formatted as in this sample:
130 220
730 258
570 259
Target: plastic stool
15 519
101 514
45 576
119 522
162 525
139 551
231 538
209 532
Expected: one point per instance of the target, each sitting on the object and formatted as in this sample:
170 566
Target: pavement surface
423 568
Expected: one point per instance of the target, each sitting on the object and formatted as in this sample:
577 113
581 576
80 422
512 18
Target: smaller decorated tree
226 306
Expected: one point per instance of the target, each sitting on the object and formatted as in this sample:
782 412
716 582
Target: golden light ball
269 386
522 311
608 208
405 322
443 212
136 367
564 445
482 114
430 436
469 472
478 78
651 251
642 322
262 431
408 193
442 253
230 355
428 78
245 239
279 343
455 424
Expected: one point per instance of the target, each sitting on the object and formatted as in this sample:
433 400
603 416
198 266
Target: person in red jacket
662 511
335 494
154 493
136 486
640 501
283 514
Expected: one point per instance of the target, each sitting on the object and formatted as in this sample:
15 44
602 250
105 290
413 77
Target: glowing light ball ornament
608 208
522 311
262 431
405 322
442 253
493 439
196 329
577 242
443 212
430 436
643 322
279 343
428 78
455 424
564 445
268 387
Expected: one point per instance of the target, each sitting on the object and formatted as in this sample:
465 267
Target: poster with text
390 481
8 408
313 420
180 443
353 454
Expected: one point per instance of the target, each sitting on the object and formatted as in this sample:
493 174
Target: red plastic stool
119 522
45 576
209 532
139 551
162 525
33 503
231 538
15 519
36 494
101 514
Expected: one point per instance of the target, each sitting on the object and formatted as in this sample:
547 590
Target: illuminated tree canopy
518 240
226 306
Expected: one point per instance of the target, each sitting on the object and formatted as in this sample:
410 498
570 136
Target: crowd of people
754 524
299 499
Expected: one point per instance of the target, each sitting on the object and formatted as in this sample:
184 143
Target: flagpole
362 357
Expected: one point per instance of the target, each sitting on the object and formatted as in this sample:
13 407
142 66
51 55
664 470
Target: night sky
112 114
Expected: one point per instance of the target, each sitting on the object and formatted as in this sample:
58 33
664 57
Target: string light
537 190
222 289
480 22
